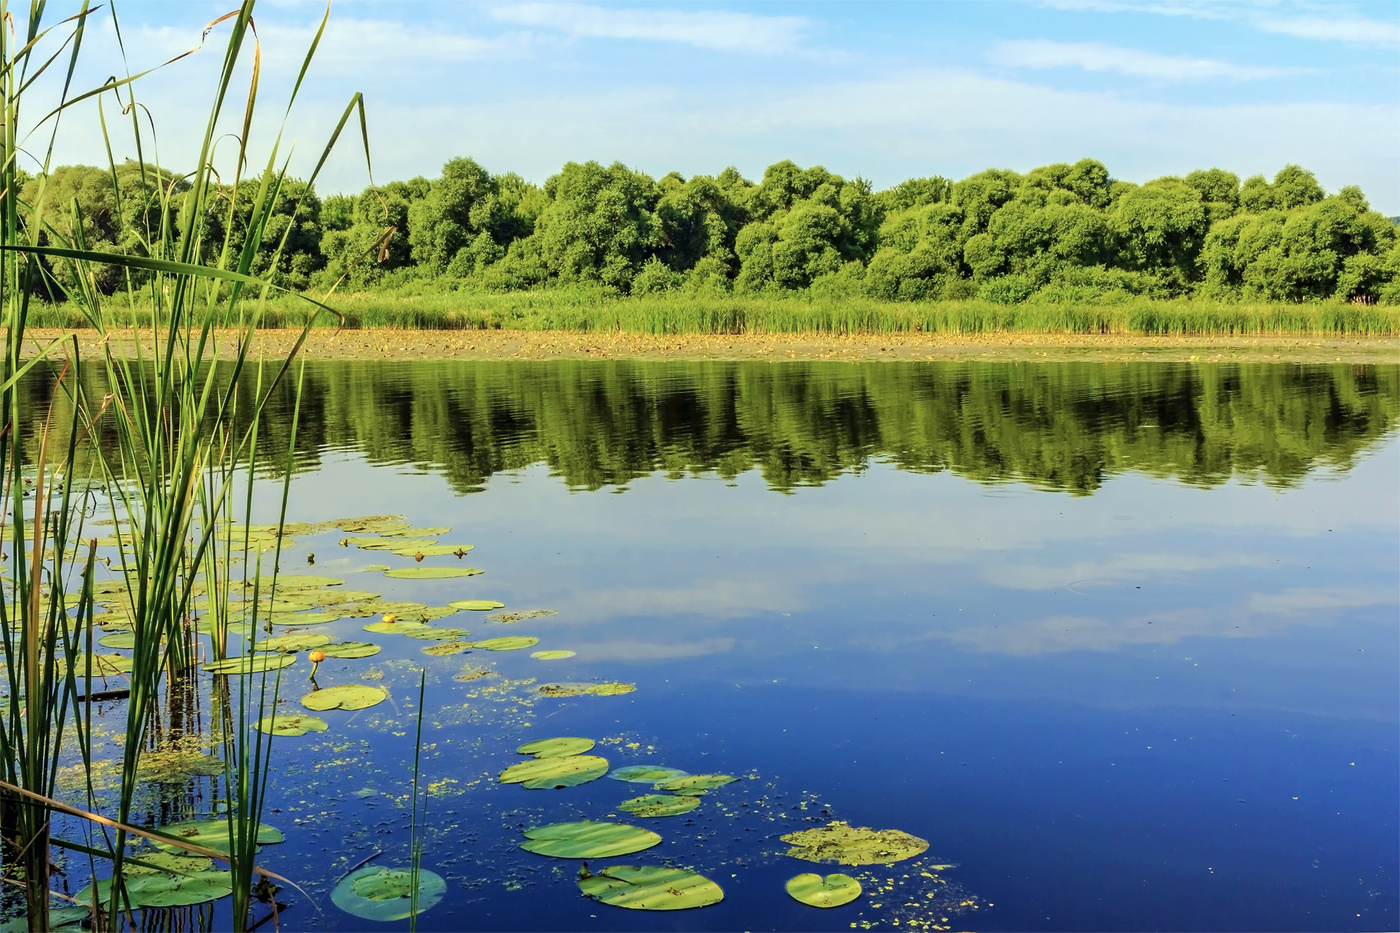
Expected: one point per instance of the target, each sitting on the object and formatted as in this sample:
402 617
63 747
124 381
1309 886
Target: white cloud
706 29
1093 56
1313 598
1353 29
1335 25
1089 575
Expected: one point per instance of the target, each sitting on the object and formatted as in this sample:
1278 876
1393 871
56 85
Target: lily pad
588 840
506 618
418 532
428 633
431 573
654 805
853 845
155 863
256 664
650 887
508 643
103 665
386 894
646 774
556 748
350 649
611 689
552 655
693 785
340 597
375 523
348 696
291 644
564 689
166 890
831 891
291 725
391 544
211 834
306 618
467 674
394 628
374 568
477 605
447 648
118 640
305 582
434 550
555 773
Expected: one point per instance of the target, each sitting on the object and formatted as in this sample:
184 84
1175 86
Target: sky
884 91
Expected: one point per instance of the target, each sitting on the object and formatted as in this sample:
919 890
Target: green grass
591 310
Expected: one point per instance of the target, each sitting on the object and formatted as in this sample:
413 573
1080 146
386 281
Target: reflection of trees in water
1060 426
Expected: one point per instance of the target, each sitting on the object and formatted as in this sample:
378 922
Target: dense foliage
1057 233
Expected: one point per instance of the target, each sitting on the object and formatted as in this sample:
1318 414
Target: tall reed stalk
172 447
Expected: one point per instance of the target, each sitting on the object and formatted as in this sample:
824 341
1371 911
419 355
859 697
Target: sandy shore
565 345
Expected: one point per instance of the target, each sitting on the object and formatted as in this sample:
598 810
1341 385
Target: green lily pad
103 665
694 785
374 568
611 689
211 834
650 887
306 618
61 920
434 550
428 633
305 582
431 573
291 725
118 640
653 805
340 597
477 605
348 696
555 773
256 664
418 532
468 674
556 748
509 643
831 891
154 863
291 644
394 628
166 890
646 774
853 845
506 618
392 544
374 523
386 894
431 613
564 689
447 648
552 655
588 840
350 649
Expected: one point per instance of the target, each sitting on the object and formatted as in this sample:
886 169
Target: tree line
1059 232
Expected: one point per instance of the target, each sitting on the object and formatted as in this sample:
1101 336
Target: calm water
1120 641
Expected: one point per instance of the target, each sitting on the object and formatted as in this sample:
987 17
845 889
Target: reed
171 449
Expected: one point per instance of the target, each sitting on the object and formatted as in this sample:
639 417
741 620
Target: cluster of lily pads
557 763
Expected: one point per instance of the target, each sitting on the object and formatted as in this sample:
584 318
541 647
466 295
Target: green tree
1161 227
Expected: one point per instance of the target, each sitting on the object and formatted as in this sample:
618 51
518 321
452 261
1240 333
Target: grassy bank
593 311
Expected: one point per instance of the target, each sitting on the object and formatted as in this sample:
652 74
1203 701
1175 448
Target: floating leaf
434 550
103 665
392 544
653 805
505 618
306 618
831 891
646 774
564 689
374 568
467 674
118 640
340 597
255 664
291 725
555 748
853 845
611 690
697 784
418 532
552 655
394 628
555 773
447 648
166 890
431 613
210 834
350 649
386 894
157 862
305 582
348 696
509 643
588 840
431 573
477 605
292 643
428 633
375 523
650 887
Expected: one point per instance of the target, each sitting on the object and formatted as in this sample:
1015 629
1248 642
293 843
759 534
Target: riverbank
396 344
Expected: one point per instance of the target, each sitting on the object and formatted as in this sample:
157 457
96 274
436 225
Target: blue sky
886 91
